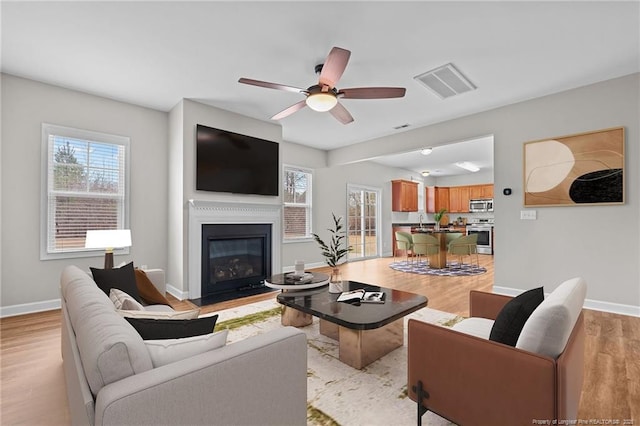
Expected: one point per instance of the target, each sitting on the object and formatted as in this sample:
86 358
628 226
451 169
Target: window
297 203
85 187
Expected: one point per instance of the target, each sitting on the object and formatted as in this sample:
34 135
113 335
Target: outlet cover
527 214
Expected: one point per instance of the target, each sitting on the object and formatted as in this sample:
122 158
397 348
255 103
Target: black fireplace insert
236 259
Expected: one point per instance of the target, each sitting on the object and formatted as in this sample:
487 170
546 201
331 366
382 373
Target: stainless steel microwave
481 205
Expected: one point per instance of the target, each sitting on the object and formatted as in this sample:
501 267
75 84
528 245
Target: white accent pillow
547 330
122 300
192 314
166 351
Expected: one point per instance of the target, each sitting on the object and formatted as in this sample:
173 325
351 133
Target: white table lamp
108 240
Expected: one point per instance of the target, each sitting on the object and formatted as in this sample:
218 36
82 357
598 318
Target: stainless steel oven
484 231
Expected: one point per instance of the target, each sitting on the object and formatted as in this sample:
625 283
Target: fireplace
208 212
236 258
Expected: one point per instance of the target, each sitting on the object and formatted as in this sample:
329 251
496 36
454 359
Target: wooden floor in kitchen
32 381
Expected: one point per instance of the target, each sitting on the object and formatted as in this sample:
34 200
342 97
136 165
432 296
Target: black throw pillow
153 329
510 321
123 278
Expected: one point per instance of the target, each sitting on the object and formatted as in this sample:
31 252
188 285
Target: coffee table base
359 348
295 318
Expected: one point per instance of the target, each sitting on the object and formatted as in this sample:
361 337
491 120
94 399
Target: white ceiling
441 161
156 53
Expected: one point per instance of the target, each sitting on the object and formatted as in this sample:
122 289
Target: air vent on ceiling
445 81
402 126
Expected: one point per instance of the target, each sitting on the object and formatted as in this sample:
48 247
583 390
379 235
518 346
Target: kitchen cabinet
487 191
430 199
459 199
442 198
404 196
454 198
481 191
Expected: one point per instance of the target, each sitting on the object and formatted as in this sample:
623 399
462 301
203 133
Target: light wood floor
32 389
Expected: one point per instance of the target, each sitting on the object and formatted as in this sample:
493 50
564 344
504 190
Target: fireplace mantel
203 212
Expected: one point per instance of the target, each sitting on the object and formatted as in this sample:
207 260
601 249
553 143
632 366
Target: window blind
86 188
297 202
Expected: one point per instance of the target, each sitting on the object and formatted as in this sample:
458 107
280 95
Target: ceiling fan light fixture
426 151
468 166
321 102
425 173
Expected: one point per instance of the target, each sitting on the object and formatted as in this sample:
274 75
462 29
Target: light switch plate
528 214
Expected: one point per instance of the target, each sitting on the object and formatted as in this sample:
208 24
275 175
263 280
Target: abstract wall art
581 169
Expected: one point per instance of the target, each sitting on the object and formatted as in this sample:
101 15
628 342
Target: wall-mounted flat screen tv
230 162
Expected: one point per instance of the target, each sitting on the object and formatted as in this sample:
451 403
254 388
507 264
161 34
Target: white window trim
285 240
52 129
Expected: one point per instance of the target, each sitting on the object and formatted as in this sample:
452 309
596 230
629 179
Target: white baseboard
596 305
178 294
29 308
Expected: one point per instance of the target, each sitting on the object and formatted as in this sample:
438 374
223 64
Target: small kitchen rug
453 269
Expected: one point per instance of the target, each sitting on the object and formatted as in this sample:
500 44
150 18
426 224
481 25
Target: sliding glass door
363 222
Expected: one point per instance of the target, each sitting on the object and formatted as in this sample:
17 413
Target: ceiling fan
324 95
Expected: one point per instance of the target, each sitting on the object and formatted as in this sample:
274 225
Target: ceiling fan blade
271 85
341 114
290 110
334 66
372 92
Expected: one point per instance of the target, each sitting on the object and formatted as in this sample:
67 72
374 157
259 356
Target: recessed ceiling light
426 151
425 173
468 166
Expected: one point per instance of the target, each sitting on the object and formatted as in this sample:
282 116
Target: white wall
182 160
600 243
26 104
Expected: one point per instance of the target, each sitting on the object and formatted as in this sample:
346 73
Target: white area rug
375 395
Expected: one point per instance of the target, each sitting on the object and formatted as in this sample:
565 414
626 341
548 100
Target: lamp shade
108 239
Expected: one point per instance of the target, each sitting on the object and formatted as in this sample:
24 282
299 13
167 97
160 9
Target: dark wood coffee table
367 331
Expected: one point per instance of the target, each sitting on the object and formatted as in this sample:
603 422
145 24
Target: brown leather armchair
474 381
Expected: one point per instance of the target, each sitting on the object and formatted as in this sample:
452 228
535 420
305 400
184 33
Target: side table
290 316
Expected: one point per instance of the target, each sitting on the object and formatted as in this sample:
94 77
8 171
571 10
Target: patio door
363 222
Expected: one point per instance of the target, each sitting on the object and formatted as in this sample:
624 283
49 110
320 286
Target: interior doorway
363 222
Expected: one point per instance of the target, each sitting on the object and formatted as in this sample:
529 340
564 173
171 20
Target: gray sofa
111 380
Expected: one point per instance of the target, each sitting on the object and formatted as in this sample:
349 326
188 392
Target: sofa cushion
479 327
123 278
513 316
148 292
109 347
550 325
166 351
151 329
122 300
153 314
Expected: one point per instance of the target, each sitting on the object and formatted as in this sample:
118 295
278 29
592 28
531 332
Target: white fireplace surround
202 212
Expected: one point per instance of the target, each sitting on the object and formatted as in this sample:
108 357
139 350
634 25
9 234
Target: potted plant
334 252
438 217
